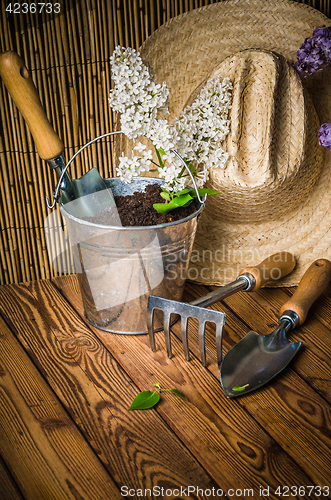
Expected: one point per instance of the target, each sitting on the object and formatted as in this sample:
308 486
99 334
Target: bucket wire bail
58 187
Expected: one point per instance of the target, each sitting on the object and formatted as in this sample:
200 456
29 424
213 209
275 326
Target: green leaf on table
239 388
178 201
176 391
161 150
145 400
202 192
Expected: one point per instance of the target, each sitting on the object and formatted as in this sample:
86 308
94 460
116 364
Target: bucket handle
57 190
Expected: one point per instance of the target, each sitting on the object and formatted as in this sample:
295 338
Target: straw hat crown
275 159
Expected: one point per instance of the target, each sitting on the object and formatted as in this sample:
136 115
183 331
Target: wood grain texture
215 429
137 448
8 490
294 414
43 449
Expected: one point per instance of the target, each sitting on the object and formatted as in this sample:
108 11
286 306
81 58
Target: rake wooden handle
312 285
20 86
272 268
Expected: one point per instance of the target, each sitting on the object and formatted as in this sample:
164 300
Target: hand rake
250 279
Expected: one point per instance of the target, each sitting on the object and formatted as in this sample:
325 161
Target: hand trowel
256 359
84 197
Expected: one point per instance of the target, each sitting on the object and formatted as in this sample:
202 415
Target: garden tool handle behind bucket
20 86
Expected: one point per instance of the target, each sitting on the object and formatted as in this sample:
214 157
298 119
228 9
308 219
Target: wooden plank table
65 389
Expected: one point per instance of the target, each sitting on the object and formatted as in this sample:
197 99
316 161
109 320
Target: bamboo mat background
68 57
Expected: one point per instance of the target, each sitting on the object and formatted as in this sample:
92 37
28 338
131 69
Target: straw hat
275 190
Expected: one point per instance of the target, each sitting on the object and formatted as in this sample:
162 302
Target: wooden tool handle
312 285
20 86
272 268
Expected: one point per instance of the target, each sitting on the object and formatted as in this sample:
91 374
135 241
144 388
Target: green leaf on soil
202 192
165 195
145 400
183 191
178 201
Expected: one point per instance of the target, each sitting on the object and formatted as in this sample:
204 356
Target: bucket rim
135 228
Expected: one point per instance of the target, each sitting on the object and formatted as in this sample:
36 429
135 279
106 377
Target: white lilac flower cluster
131 167
196 135
203 126
136 95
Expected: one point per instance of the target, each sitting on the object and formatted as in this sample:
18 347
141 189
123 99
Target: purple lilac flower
315 52
322 38
324 135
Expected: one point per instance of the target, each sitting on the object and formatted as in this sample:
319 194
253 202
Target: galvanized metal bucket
119 267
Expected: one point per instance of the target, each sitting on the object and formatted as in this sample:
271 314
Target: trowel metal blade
253 361
91 196
92 204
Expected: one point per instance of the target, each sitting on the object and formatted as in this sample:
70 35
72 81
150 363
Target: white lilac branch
196 135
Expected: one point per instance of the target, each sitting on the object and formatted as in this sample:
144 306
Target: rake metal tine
185 311
183 331
156 303
218 340
166 327
202 346
150 327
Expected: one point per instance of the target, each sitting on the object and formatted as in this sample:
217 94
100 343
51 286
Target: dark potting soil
137 209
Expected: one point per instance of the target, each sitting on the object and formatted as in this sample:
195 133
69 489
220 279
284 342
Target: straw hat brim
183 53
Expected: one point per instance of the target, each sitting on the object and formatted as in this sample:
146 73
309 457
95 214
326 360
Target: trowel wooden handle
272 268
20 86
312 285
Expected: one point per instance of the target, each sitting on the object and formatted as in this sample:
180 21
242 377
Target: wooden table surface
65 389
